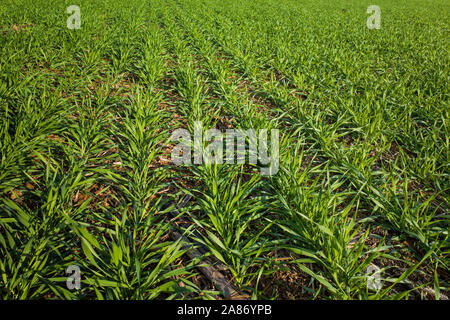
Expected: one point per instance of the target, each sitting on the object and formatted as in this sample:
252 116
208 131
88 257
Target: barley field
355 205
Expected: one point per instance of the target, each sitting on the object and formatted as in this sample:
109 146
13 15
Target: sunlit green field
87 180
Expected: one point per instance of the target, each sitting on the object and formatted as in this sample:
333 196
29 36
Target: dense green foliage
86 117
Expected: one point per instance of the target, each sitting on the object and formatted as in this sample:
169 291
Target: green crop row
86 176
